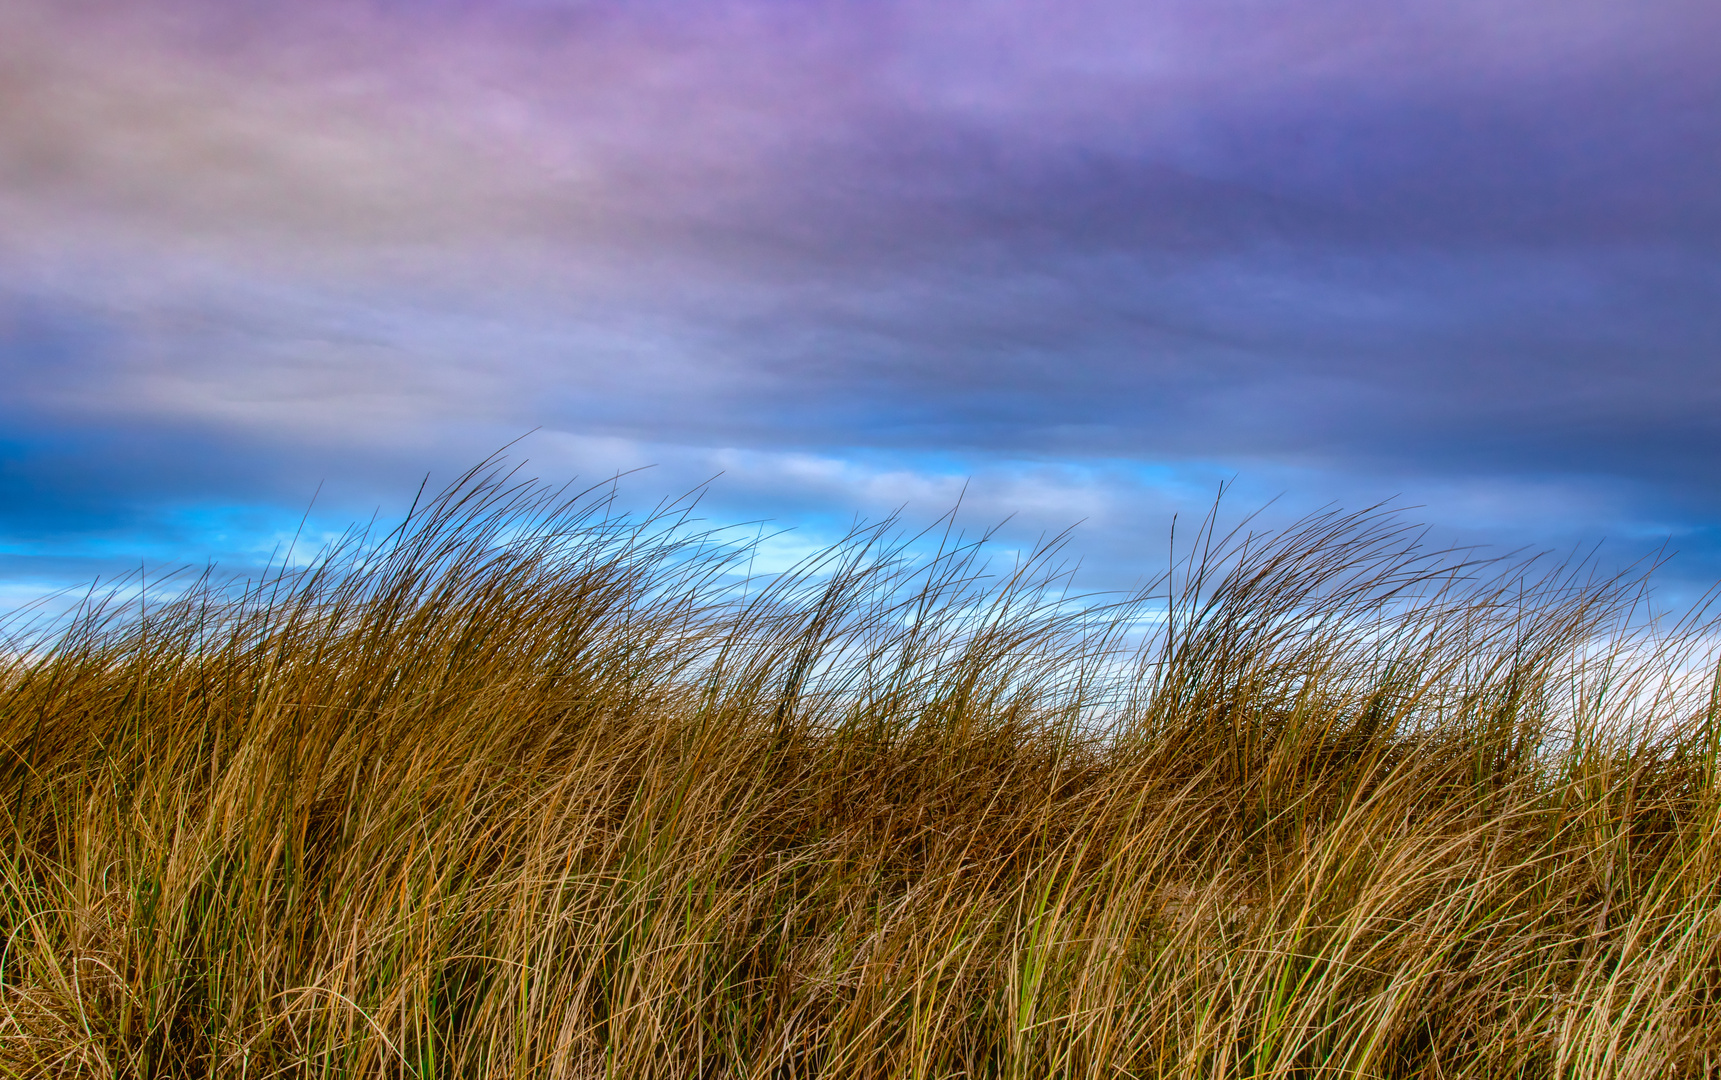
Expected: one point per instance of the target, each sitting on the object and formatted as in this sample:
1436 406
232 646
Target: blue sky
1082 261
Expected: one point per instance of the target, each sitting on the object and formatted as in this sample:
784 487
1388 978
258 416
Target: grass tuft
526 788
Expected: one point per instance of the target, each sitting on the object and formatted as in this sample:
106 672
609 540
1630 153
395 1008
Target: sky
1072 262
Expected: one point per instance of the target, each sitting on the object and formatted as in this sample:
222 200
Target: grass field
523 789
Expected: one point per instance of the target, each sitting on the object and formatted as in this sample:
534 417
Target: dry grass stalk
524 789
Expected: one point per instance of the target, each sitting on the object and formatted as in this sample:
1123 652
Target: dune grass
525 789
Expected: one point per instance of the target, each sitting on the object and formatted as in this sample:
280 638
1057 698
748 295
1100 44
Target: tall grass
527 789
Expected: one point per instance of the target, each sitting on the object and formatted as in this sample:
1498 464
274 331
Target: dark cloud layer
1094 255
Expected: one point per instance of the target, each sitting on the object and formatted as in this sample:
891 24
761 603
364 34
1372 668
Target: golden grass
527 790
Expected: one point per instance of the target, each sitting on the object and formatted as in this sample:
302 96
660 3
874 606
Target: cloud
1084 256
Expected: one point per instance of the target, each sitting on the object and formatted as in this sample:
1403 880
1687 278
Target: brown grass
525 789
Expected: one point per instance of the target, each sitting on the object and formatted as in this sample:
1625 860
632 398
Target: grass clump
527 789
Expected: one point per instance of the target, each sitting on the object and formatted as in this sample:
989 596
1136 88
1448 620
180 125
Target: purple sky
1087 258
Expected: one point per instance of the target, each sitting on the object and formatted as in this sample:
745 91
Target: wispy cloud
1085 254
